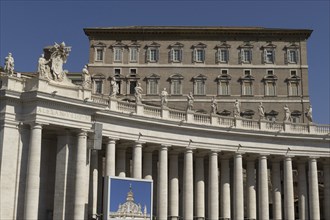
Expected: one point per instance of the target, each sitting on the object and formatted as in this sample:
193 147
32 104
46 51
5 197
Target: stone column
121 162
251 203
288 189
80 177
147 164
137 160
93 183
263 189
213 191
188 182
314 203
62 157
32 187
326 180
162 203
200 187
238 187
302 191
174 186
277 189
225 188
110 157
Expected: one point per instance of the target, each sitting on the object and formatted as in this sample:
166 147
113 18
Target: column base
224 218
199 218
174 218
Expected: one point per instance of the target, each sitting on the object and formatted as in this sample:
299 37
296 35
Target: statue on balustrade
190 100
163 98
9 64
309 113
261 110
43 68
114 88
138 93
86 78
287 114
214 106
237 109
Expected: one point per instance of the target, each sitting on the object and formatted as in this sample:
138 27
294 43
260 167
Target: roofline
198 30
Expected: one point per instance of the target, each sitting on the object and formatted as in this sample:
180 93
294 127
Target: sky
28 26
120 187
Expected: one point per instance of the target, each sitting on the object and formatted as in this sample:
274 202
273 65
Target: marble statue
214 106
287 114
261 110
163 97
309 113
190 100
59 54
43 68
237 110
138 93
114 88
86 78
9 64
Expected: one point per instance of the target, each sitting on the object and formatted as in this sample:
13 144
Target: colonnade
212 185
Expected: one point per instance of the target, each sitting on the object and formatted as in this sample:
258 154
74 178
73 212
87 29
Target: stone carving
309 113
86 78
163 98
114 88
9 64
59 54
138 93
287 114
237 109
261 110
43 68
190 101
214 106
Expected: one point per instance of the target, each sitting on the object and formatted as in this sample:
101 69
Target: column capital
82 133
138 143
165 147
313 158
36 125
263 156
112 140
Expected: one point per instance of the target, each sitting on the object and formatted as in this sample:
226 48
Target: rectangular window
133 54
270 89
117 72
132 85
269 56
153 55
270 72
294 89
247 88
292 56
247 72
223 56
152 87
199 87
293 73
98 86
176 55
118 54
246 55
132 72
199 55
99 54
224 72
176 87
224 88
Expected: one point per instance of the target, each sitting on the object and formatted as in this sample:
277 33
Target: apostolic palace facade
219 118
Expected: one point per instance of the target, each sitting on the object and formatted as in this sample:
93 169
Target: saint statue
309 113
86 78
287 114
43 68
261 110
214 106
138 93
237 110
59 54
163 98
9 64
114 88
190 100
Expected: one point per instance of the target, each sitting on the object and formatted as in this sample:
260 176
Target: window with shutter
118 54
99 54
152 87
133 54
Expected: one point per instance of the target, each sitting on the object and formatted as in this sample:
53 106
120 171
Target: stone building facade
249 64
54 155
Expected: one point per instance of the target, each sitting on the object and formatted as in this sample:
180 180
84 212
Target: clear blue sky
119 189
27 26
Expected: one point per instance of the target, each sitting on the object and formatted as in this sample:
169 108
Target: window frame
196 49
199 81
154 78
177 78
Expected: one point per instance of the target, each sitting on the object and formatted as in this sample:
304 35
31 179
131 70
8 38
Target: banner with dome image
127 198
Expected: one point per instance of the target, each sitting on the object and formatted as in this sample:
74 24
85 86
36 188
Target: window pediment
270 45
176 45
153 44
272 113
199 45
98 76
270 78
293 79
224 77
222 45
224 113
246 45
247 112
246 78
296 113
153 76
99 45
292 46
118 44
200 77
176 77
134 44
